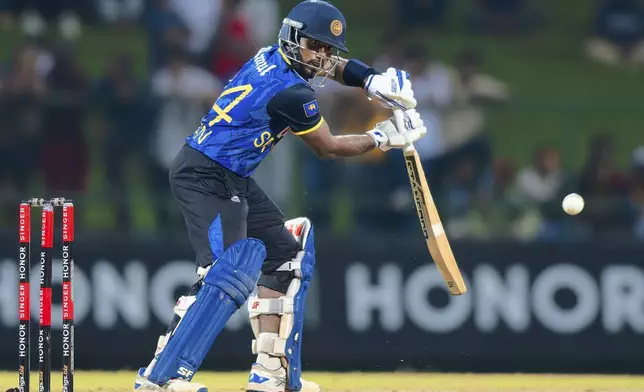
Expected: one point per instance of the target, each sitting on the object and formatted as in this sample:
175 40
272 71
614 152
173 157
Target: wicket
24 308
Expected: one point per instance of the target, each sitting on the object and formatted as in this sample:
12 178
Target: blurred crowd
106 139
478 194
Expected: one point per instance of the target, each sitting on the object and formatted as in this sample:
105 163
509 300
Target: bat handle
399 117
409 148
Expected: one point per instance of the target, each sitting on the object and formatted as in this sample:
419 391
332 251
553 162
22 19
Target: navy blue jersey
263 102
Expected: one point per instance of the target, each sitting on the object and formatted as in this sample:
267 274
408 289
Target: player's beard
318 67
306 70
312 68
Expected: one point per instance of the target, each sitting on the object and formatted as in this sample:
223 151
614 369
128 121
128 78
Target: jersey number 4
222 114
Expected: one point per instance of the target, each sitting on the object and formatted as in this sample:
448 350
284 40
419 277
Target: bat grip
399 117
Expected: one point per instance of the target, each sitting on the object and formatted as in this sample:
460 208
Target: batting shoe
265 380
142 384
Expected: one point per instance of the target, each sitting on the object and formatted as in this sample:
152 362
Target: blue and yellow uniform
263 102
222 204
210 178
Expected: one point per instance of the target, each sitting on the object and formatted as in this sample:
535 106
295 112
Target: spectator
345 182
37 13
600 176
457 199
120 11
185 92
542 181
637 190
618 35
202 18
232 45
501 212
605 189
464 122
263 19
165 29
22 90
540 188
65 156
504 16
125 123
453 101
433 91
6 14
362 178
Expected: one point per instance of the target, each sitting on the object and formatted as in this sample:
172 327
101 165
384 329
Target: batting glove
388 136
393 84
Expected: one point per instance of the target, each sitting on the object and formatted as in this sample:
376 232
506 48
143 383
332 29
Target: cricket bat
430 222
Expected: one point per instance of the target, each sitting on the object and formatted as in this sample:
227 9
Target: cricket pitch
102 381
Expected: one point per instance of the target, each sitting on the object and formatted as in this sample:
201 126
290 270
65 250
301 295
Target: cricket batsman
239 235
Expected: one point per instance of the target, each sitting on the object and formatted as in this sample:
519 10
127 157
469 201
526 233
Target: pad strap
280 306
275 347
294 265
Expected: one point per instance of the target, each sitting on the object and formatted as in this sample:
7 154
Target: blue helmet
314 19
319 20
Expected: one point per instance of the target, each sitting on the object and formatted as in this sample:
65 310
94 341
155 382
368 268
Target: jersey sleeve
296 108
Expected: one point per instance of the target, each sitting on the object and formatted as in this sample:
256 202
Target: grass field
221 382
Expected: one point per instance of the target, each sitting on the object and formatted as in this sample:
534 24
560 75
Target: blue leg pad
226 287
290 307
294 341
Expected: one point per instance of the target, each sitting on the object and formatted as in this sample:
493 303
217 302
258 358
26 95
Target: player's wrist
356 73
378 137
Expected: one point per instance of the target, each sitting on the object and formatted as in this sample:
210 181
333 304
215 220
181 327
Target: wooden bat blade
432 226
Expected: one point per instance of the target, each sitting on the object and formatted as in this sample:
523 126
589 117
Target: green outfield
218 382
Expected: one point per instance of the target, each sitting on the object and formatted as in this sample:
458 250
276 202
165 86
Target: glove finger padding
393 85
414 125
387 135
400 77
405 94
413 135
414 119
397 140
